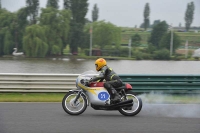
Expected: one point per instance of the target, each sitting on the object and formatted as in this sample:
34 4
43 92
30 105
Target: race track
51 118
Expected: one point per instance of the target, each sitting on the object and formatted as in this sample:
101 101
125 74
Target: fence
27 82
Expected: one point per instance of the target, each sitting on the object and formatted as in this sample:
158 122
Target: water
77 66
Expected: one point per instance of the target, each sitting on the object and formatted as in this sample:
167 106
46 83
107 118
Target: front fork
80 92
77 97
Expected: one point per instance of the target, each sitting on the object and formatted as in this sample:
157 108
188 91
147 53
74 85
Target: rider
112 79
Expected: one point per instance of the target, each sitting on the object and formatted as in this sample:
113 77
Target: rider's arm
96 78
99 77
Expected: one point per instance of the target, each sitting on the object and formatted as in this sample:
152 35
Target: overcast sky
128 13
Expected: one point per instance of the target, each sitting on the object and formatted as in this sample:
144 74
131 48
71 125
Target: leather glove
91 80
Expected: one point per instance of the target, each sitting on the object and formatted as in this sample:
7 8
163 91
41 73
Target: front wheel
135 109
71 107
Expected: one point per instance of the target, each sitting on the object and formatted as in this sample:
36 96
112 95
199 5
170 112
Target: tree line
160 38
50 31
189 16
44 34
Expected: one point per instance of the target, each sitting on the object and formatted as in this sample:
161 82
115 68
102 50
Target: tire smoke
168 105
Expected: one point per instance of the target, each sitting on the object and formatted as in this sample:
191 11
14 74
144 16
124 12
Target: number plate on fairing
103 96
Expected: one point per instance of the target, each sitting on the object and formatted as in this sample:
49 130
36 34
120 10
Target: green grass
57 97
193 38
31 97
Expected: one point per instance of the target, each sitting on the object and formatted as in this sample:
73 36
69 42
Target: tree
78 10
57 25
53 3
157 33
32 8
7 31
135 39
146 16
8 43
34 41
2 31
67 4
0 4
142 25
155 23
105 34
22 22
15 24
95 13
189 15
165 41
162 54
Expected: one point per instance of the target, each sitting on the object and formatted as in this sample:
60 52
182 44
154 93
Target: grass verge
31 97
57 97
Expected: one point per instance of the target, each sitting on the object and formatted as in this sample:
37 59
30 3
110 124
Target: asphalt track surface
51 118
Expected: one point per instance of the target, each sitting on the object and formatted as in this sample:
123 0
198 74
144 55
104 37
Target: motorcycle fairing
97 84
128 86
97 95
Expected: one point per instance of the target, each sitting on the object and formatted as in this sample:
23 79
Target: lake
77 66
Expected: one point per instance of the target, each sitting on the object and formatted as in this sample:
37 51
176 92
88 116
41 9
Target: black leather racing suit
112 79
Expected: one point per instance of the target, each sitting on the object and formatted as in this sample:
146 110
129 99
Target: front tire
135 109
74 108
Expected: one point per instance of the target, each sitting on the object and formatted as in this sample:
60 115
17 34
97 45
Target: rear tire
74 108
135 109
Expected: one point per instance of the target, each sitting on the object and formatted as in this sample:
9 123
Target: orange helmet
99 63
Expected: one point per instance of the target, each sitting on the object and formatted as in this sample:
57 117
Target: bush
139 55
162 54
87 52
196 58
124 52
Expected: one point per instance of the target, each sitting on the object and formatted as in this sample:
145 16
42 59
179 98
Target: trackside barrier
164 83
29 82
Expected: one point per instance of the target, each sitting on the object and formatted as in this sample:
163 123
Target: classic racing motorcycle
75 102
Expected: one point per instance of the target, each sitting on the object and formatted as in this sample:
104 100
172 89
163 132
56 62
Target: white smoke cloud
158 104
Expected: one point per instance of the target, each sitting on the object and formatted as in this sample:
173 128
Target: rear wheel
135 109
71 107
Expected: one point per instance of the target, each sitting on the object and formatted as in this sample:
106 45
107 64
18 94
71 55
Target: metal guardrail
164 83
29 82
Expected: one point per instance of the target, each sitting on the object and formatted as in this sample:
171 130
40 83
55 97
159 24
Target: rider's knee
107 85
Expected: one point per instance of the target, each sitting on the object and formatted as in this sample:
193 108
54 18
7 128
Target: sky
129 13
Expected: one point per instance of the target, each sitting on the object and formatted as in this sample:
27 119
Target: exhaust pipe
122 103
128 103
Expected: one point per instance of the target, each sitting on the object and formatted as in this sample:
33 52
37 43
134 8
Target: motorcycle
75 102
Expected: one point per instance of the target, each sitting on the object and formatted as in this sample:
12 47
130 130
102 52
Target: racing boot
115 96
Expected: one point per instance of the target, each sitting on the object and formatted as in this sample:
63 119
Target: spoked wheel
71 107
135 109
